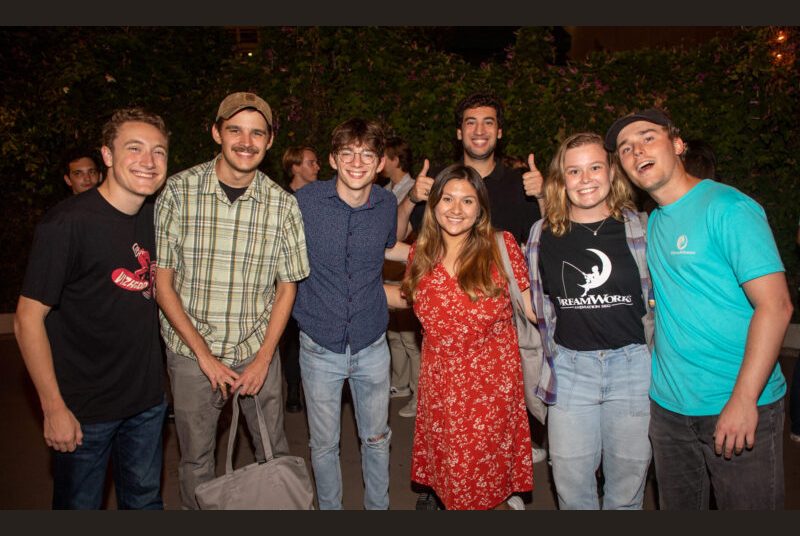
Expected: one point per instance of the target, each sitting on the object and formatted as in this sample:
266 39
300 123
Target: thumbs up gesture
532 180
422 186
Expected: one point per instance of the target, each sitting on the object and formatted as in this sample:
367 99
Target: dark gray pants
197 411
687 466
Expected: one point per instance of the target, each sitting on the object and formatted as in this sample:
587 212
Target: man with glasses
341 310
81 170
230 249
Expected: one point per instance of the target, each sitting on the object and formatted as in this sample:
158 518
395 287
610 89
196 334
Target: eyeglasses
348 155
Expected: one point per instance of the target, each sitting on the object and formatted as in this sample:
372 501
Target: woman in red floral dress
471 439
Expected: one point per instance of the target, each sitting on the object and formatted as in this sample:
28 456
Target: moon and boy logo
587 280
597 274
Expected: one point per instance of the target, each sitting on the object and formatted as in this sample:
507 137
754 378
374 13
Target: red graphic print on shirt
140 280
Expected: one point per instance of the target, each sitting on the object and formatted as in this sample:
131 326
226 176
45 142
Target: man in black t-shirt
515 198
87 325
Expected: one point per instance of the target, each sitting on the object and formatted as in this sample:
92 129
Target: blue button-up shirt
342 302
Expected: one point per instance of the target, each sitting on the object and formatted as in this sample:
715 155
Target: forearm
398 253
170 303
285 293
526 299
36 353
764 340
394 298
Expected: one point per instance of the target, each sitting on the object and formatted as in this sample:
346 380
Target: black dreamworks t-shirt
510 208
95 266
594 285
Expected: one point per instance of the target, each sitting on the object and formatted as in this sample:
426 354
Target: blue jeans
134 445
601 413
687 466
324 373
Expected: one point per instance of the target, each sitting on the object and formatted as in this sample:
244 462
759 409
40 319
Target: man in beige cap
231 247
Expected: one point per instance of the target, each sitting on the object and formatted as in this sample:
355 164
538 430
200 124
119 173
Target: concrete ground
27 481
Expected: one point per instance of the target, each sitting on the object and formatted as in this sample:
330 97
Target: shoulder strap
262 428
513 288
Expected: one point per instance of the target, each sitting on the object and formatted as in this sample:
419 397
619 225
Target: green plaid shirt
227 257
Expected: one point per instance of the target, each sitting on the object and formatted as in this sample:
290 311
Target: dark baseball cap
652 115
236 102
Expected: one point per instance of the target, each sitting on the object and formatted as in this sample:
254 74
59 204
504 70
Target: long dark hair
479 253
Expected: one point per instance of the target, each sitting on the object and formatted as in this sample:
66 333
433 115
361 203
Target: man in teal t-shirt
722 309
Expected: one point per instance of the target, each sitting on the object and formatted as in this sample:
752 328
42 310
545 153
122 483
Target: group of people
631 367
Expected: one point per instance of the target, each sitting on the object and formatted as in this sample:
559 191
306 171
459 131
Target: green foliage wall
61 84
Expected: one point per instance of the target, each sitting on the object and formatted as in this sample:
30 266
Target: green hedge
61 84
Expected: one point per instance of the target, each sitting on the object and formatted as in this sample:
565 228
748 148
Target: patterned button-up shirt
227 257
343 303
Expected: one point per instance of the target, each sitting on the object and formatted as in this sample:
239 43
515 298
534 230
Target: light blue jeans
324 373
602 412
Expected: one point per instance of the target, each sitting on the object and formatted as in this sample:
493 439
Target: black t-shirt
94 265
594 285
511 209
233 193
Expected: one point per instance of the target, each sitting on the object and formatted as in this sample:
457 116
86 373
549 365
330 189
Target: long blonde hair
479 252
556 201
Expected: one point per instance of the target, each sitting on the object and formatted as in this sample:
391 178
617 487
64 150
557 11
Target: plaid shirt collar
210 185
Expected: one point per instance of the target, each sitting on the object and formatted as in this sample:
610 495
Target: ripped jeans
324 373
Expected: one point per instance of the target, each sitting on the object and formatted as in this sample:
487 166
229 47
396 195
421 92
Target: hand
736 427
252 377
218 374
422 186
532 180
62 431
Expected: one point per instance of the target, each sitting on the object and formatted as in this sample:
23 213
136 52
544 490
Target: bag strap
513 288
262 428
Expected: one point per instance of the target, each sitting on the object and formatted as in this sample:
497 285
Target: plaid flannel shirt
227 257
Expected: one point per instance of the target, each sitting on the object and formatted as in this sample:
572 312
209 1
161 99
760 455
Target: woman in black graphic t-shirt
590 285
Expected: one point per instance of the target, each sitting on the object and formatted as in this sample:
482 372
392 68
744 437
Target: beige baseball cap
236 102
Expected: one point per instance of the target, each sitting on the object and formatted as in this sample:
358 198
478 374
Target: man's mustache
245 149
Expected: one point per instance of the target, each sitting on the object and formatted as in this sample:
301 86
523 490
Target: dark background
734 87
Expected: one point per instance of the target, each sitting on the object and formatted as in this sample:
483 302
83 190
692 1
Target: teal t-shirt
701 250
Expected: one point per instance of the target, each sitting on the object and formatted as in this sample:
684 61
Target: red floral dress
472 442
